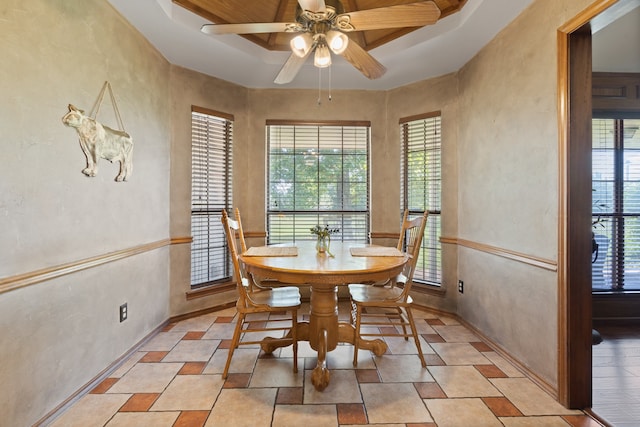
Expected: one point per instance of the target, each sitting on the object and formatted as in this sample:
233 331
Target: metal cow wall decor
101 142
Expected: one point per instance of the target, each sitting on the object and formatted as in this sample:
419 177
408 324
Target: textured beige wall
438 94
59 334
189 88
508 185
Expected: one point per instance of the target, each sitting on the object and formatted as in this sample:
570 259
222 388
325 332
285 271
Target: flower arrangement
323 232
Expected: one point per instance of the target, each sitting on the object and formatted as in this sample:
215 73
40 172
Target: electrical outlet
123 312
461 286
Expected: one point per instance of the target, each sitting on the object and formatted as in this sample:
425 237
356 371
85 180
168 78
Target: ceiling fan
321 26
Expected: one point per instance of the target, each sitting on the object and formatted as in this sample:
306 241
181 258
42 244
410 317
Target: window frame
352 224
431 251
211 160
613 210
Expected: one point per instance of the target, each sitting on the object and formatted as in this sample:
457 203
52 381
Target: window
422 187
616 204
211 148
318 174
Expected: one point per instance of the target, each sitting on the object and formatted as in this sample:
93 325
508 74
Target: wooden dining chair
240 232
260 300
390 305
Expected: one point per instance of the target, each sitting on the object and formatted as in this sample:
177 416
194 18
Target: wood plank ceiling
232 12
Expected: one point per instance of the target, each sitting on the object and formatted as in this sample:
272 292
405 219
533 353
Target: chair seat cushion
284 297
369 293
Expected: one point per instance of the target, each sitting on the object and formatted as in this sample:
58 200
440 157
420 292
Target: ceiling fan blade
290 68
247 28
402 15
312 5
363 61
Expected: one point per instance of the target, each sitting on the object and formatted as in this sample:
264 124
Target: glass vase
322 245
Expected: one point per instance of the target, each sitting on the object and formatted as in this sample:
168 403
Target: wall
190 88
59 334
508 186
438 94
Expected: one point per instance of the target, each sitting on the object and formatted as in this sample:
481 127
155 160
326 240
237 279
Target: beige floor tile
377 425
146 378
461 413
220 331
200 323
164 341
192 351
342 388
128 364
365 360
243 361
394 403
190 393
456 333
258 336
304 350
422 327
305 415
276 372
138 419
529 398
504 365
402 368
91 410
545 421
342 358
398 345
243 407
459 354
448 320
463 381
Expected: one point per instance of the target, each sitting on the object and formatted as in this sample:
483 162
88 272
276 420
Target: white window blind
616 204
211 161
422 188
318 174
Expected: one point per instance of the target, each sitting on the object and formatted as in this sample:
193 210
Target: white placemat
375 251
272 251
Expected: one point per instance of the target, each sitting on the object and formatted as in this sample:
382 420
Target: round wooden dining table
324 272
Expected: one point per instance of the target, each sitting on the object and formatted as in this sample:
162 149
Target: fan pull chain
319 85
329 84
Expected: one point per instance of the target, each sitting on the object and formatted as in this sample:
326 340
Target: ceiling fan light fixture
337 41
322 57
301 44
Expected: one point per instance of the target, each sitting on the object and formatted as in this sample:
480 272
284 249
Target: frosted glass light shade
301 44
322 57
337 41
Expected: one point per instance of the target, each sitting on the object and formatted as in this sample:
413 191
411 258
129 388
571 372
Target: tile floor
616 376
175 380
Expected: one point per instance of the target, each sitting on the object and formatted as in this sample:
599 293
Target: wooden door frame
574 206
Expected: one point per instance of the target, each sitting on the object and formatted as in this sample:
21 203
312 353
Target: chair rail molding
546 264
11 283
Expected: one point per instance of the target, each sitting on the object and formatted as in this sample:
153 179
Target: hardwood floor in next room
616 376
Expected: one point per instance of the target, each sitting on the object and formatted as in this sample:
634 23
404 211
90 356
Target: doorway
575 115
